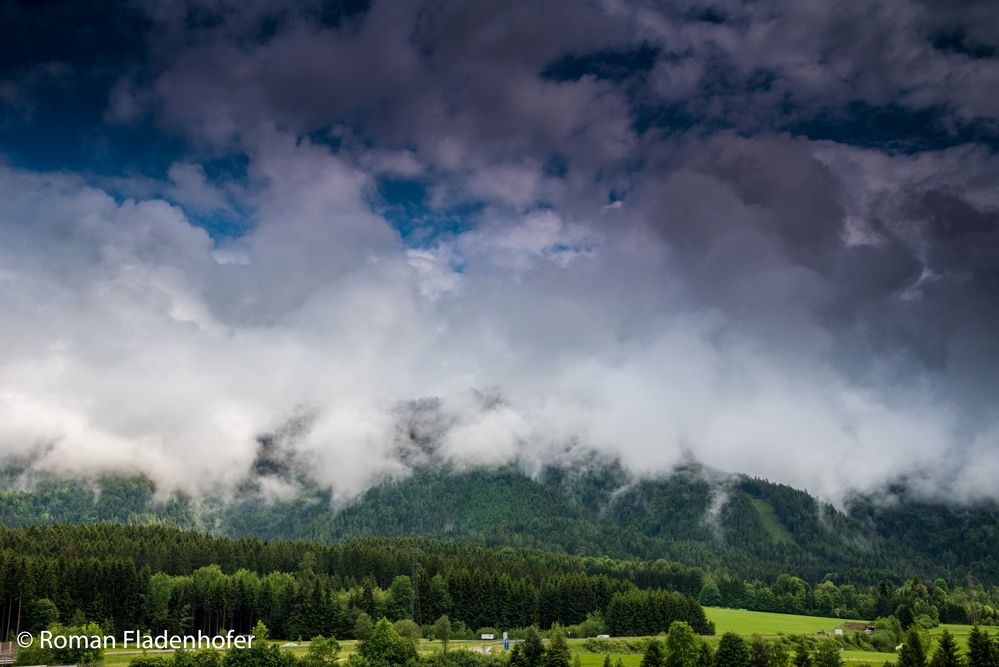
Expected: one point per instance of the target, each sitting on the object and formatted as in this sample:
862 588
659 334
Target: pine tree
557 654
946 653
912 653
981 652
732 651
534 650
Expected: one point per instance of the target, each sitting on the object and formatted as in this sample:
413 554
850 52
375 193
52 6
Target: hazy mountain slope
751 528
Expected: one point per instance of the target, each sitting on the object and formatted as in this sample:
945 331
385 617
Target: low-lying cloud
579 273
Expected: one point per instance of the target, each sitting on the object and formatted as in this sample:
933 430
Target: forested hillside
748 528
166 579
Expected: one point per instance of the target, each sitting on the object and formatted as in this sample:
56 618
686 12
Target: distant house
603 636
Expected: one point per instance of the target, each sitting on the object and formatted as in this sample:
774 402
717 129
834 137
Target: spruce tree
534 649
912 653
946 653
981 652
557 654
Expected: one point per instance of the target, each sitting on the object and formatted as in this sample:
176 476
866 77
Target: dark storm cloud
764 234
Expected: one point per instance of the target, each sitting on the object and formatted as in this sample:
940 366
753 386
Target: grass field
596 660
869 657
778 533
748 623
741 622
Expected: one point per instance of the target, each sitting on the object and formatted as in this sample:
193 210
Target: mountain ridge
750 528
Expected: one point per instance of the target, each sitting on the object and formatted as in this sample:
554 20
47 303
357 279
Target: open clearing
748 623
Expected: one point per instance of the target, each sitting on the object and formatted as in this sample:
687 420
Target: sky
364 236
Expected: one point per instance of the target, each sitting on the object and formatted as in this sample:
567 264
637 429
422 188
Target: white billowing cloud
190 188
684 324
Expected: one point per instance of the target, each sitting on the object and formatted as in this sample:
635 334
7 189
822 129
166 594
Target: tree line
111 575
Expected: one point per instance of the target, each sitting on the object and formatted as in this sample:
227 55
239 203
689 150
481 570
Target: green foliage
534 648
517 656
386 646
363 626
408 628
732 651
442 630
260 654
41 613
654 655
802 654
705 656
767 529
827 654
322 651
912 653
205 657
79 654
710 596
887 634
400 598
637 612
682 645
151 661
557 653
759 652
260 632
946 653
778 654
591 627
33 655
981 650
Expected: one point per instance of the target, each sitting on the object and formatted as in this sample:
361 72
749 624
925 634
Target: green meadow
747 623
742 622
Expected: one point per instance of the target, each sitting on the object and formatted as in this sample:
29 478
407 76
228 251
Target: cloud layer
763 236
